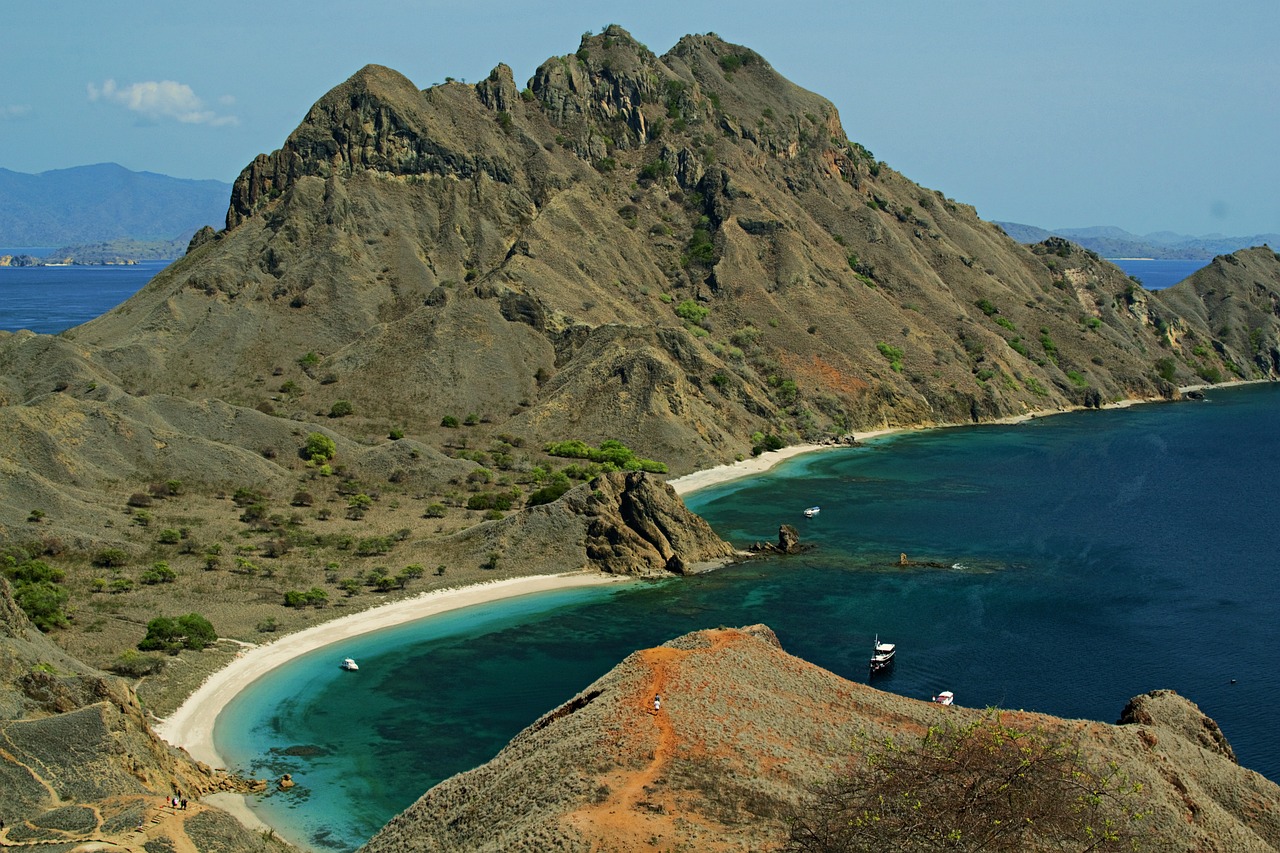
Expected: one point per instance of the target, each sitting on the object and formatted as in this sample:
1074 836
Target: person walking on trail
657 703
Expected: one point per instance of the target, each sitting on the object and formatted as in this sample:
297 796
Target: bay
1158 273
1089 557
52 299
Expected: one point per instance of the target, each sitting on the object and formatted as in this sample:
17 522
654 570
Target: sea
1063 565
1158 273
53 299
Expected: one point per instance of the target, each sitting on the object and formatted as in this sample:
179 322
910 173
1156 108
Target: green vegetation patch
611 455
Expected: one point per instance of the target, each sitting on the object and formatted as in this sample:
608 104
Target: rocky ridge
743 734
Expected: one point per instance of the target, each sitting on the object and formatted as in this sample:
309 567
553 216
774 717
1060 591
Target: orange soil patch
638 814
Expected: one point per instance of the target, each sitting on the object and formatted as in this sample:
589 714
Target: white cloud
14 111
159 100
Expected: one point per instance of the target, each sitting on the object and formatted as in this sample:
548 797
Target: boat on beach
882 655
812 511
946 697
349 665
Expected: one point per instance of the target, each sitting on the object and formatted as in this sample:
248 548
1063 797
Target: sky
1150 115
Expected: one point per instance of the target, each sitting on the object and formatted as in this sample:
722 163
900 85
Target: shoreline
731 471
190 727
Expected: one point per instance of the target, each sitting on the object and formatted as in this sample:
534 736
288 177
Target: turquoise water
1090 557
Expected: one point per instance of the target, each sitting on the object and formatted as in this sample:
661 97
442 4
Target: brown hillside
743 734
525 256
80 766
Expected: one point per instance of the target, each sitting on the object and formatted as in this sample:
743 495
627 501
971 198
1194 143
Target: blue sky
1142 114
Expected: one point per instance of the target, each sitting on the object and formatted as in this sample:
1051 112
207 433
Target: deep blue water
1092 556
50 300
1158 274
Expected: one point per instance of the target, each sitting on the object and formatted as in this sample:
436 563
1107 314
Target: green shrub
985 306
450 421
319 448
692 311
892 353
159 573
341 409
611 455
169 536
111 558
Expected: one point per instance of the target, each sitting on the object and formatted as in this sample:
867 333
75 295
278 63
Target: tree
191 631
42 601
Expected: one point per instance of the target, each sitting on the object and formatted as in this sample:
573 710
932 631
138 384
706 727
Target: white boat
946 697
812 511
350 665
882 656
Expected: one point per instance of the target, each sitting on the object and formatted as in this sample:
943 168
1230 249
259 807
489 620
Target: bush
169 536
984 786
340 409
692 311
611 455
134 665
892 353
319 448
314 597
111 558
159 573
450 421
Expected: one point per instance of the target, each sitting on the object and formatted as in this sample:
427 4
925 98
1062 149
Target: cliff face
744 734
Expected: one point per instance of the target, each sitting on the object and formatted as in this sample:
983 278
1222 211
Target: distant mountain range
103 203
1112 242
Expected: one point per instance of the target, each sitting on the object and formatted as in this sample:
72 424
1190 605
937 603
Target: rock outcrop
623 523
744 733
788 542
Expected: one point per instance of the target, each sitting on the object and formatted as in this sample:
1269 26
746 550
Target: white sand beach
759 464
191 726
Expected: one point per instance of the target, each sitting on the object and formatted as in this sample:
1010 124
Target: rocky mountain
450 327
745 734
104 202
1112 242
80 764
678 252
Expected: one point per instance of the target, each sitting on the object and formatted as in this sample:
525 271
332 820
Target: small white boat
812 511
946 697
882 656
350 665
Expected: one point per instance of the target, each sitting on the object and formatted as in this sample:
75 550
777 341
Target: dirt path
638 811
161 820
630 817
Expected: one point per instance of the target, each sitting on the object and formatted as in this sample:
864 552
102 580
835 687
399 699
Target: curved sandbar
191 726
